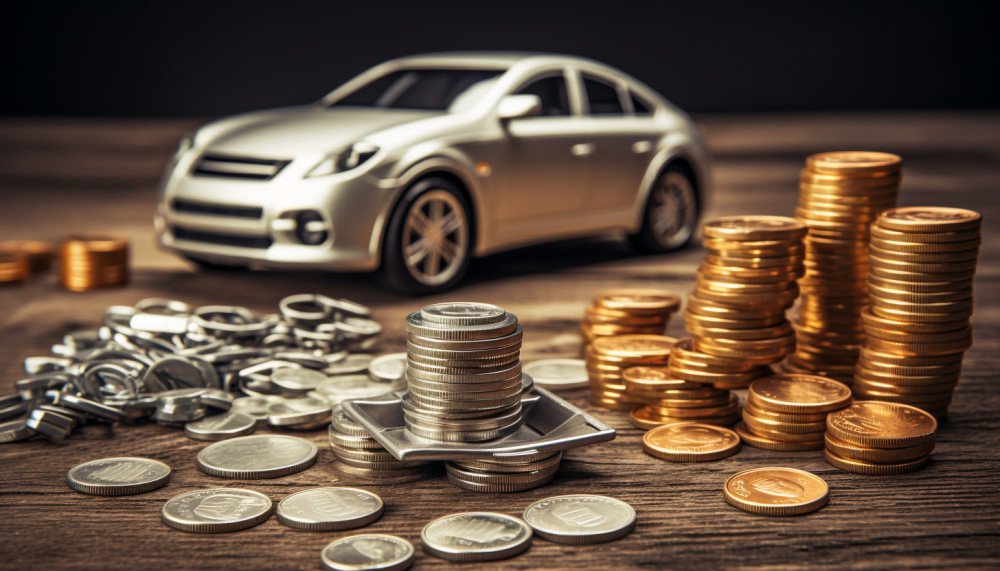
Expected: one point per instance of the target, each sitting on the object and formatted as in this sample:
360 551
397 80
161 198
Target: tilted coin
776 491
330 509
260 456
476 536
53 426
88 406
368 552
350 365
300 411
15 430
579 519
118 476
389 367
221 426
690 442
558 373
255 407
297 379
216 510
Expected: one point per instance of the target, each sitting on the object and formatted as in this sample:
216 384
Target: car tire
428 242
670 215
207 266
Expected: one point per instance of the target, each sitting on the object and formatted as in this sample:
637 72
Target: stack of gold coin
736 313
841 193
879 438
788 412
91 262
609 357
917 328
669 400
39 253
13 267
628 312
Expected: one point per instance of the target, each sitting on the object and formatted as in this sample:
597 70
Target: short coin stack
879 438
360 455
669 400
609 357
13 267
90 262
788 412
502 476
736 314
628 312
38 253
917 327
841 193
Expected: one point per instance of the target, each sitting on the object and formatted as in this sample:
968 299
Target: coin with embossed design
216 510
690 442
221 426
368 552
118 476
882 425
330 509
261 456
776 491
476 536
578 519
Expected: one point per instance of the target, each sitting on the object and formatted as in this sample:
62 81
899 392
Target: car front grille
228 210
238 167
236 240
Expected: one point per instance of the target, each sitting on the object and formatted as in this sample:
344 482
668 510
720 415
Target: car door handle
582 149
642 147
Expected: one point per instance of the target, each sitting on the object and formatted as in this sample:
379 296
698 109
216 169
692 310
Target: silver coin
15 430
297 379
91 407
221 426
255 407
261 456
298 412
118 476
416 325
330 509
53 426
558 373
476 536
580 519
352 364
339 389
463 313
368 552
216 510
388 367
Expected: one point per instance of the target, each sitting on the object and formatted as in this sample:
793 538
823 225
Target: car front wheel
671 214
429 239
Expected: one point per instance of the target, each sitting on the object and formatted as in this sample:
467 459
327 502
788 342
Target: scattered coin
15 430
118 476
776 491
579 519
690 442
368 552
221 426
557 374
260 456
216 510
388 368
476 536
330 509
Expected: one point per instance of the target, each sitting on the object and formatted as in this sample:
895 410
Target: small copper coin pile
669 400
841 193
879 438
628 312
788 412
917 327
13 267
609 357
91 262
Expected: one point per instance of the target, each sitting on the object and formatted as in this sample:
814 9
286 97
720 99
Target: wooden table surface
61 176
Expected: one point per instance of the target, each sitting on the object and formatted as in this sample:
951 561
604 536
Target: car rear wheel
671 214
428 245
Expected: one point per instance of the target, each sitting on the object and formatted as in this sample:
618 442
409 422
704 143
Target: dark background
214 57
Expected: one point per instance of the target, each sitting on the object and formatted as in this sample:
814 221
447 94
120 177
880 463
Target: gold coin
645 418
760 227
882 425
925 247
765 443
854 162
644 299
779 436
776 491
800 393
634 346
38 253
877 455
880 232
872 469
690 442
784 416
929 219
783 426
90 262
13 267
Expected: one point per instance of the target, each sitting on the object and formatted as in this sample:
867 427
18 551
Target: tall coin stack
609 357
879 438
736 313
90 262
669 400
360 455
841 193
920 281
788 412
628 312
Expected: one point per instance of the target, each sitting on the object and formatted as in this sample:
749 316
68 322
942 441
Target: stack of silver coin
360 455
507 475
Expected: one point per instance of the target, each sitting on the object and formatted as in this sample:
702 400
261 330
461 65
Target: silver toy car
420 163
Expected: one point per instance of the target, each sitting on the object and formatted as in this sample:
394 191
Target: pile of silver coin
361 456
219 371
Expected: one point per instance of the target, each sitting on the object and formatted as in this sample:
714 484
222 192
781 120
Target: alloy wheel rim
673 210
435 237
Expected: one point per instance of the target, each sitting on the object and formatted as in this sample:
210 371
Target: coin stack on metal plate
360 455
736 314
91 262
880 438
788 412
841 194
609 357
628 312
13 267
917 327
669 400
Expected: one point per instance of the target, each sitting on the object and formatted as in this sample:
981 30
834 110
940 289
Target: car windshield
423 89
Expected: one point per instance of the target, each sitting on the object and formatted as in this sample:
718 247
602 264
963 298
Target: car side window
552 91
640 107
602 97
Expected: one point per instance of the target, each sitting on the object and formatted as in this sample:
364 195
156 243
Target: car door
543 183
622 145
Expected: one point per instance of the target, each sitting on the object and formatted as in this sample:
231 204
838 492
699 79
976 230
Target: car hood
291 131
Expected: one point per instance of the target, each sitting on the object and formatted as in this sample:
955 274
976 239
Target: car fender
673 146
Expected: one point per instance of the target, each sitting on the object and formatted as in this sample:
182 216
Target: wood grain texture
59 176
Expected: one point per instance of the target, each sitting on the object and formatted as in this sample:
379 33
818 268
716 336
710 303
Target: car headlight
352 157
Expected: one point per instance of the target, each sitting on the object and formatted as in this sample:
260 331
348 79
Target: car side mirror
518 106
